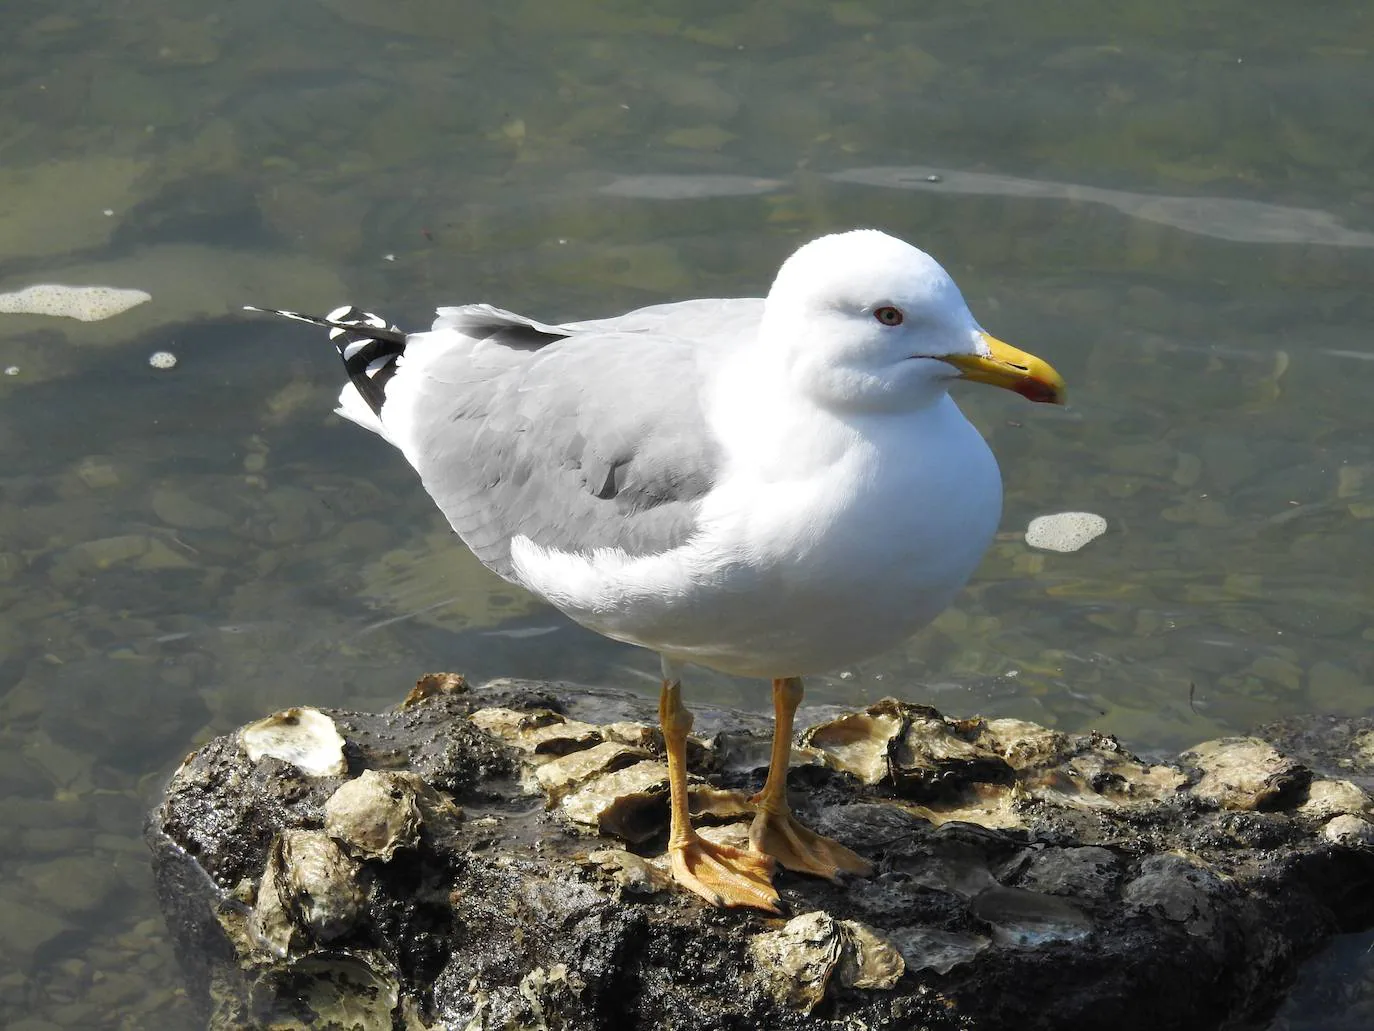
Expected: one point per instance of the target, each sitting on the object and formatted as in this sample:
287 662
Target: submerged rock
491 857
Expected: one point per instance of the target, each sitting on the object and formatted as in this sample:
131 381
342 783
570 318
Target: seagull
770 487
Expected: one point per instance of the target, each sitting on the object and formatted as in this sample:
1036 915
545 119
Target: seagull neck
770 426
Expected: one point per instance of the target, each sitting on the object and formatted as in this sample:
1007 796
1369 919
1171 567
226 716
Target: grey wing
593 439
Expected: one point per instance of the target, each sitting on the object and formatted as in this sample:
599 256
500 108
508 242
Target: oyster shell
345 990
376 813
537 732
309 892
304 737
797 960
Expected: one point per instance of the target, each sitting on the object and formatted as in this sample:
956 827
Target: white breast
805 567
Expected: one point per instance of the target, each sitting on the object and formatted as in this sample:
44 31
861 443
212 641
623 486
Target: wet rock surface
491 857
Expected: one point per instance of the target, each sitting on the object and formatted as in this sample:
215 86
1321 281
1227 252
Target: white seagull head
863 321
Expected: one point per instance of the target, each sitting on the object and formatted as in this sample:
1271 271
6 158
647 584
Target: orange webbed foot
802 850
724 875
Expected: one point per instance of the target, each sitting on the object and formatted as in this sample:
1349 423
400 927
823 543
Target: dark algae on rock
490 857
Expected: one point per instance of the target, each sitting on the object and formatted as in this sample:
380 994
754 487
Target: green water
1172 202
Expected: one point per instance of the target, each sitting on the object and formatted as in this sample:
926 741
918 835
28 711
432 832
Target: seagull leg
774 831
721 874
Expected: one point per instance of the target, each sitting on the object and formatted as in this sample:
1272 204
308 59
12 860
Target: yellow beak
1011 369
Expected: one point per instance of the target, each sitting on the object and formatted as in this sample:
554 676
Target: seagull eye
888 315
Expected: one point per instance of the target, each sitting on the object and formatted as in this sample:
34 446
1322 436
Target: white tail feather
353 408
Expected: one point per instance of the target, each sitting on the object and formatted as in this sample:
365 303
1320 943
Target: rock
1333 688
98 472
139 714
325 990
73 885
929 948
134 551
190 506
633 873
909 744
541 732
39 218
1089 872
22 777
35 1024
15 987
27 931
569 772
1180 891
1026 877
1151 458
798 958
59 841
1029 918
858 743
1364 748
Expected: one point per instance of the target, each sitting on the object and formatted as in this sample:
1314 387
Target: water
1171 202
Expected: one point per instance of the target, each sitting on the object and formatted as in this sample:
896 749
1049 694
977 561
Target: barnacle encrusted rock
541 732
569 772
626 803
984 771
496 860
859 743
798 958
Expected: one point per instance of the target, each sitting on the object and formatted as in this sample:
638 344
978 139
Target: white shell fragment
1064 531
162 360
304 737
86 303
